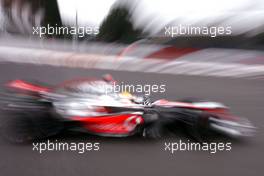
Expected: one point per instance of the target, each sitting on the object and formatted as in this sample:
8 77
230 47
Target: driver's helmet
126 95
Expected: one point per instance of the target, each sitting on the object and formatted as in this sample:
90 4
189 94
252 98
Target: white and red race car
33 111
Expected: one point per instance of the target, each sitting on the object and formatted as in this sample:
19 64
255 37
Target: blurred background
137 28
127 21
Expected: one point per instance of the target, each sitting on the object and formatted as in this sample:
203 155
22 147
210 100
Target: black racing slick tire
25 118
22 127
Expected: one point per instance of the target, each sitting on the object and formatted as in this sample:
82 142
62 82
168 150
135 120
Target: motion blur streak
204 62
132 45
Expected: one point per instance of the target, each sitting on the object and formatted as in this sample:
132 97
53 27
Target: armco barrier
179 66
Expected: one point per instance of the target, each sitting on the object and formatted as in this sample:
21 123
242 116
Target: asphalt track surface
136 156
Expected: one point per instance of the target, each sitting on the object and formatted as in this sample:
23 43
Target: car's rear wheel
25 118
21 127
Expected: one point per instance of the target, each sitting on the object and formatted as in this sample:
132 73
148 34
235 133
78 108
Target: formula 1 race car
35 111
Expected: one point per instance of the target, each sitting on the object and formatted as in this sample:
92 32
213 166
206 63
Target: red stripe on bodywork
117 124
19 84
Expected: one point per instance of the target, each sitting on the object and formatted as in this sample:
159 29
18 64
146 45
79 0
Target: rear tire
22 127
